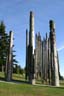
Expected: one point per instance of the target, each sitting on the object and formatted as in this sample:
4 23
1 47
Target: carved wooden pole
44 60
46 57
55 74
31 49
36 69
27 40
9 58
49 61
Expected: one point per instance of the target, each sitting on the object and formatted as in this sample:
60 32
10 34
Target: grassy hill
12 89
22 89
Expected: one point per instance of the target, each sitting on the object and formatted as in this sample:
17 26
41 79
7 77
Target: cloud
61 48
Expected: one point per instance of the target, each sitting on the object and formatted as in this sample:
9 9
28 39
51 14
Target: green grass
1 74
14 76
11 89
18 77
62 82
22 89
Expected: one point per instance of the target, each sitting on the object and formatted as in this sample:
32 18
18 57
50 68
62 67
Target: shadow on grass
20 81
2 78
15 81
27 82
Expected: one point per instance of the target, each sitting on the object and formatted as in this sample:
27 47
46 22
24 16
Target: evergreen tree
4 46
4 38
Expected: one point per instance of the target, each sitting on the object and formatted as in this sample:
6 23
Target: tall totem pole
31 49
54 63
27 43
9 58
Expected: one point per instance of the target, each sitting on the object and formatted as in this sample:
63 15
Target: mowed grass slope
22 89
12 89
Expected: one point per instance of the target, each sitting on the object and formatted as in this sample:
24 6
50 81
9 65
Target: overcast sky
15 14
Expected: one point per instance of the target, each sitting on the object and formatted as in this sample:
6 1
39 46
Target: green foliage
17 69
4 42
61 77
4 45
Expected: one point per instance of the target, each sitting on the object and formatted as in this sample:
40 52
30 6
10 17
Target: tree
4 46
4 38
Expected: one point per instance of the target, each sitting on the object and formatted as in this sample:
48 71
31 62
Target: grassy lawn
14 76
1 75
62 83
18 77
22 89
12 89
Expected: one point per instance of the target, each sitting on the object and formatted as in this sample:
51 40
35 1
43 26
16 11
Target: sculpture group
41 55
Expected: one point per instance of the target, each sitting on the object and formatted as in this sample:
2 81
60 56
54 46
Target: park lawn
62 82
14 89
14 76
22 89
18 77
1 74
